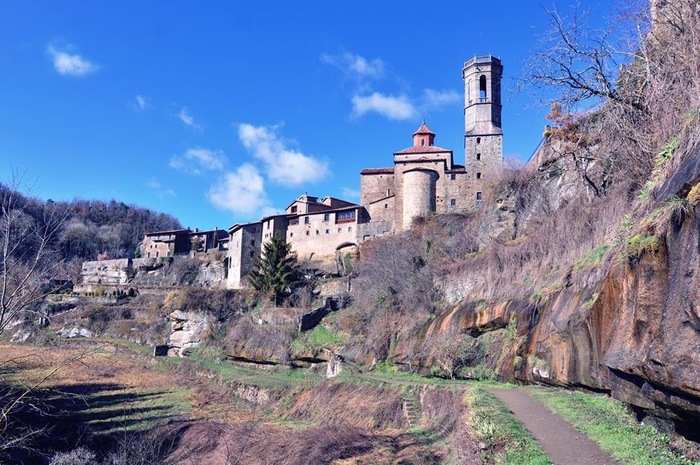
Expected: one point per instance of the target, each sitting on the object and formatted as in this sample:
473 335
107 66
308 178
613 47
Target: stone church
425 178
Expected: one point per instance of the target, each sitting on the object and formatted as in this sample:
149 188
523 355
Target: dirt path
563 444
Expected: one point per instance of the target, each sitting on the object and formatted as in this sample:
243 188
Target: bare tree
581 63
27 260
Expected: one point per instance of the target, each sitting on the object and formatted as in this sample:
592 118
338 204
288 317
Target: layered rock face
638 337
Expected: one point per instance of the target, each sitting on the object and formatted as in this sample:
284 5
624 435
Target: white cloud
141 102
354 65
349 194
439 98
241 192
70 64
185 116
396 108
283 165
198 160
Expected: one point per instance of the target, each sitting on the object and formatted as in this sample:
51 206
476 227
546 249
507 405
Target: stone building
424 179
319 231
165 243
244 247
483 134
182 241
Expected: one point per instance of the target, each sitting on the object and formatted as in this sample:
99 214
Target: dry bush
254 443
441 407
247 338
394 293
333 403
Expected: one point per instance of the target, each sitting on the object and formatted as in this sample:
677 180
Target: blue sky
218 112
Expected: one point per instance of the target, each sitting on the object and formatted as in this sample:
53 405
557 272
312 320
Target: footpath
563 444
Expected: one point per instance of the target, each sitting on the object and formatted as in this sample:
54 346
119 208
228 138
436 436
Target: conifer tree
277 271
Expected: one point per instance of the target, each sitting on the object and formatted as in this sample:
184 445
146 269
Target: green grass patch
609 423
642 243
591 258
494 424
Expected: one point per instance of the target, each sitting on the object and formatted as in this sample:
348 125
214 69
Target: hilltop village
424 179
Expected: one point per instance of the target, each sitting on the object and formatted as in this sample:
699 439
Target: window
386 205
306 220
326 216
294 221
478 175
328 231
453 202
294 209
478 140
345 217
317 232
453 177
291 234
252 254
422 142
339 230
478 156
252 242
307 233
478 196
349 228
482 88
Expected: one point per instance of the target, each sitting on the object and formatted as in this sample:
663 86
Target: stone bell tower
483 135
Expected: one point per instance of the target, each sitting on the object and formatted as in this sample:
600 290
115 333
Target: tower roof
423 129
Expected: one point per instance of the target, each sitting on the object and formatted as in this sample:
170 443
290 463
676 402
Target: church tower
483 135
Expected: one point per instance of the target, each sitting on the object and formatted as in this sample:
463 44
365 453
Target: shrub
79 456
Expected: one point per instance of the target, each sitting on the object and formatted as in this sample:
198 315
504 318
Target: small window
307 233
386 205
422 142
291 234
252 254
478 156
478 196
157 253
478 175
326 216
478 140
306 220
339 230
328 231
317 232
453 202
294 209
349 228
453 177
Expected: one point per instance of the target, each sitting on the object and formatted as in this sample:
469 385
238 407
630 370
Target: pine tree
277 271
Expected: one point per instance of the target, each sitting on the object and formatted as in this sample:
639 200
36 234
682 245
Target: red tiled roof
377 171
426 149
423 129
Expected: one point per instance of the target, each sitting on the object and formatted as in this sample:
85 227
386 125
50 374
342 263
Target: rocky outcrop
188 330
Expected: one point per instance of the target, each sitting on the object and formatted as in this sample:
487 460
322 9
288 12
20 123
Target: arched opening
482 88
345 256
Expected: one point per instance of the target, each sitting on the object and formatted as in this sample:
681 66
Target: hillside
578 276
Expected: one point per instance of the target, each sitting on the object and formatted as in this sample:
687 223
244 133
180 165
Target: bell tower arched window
482 88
